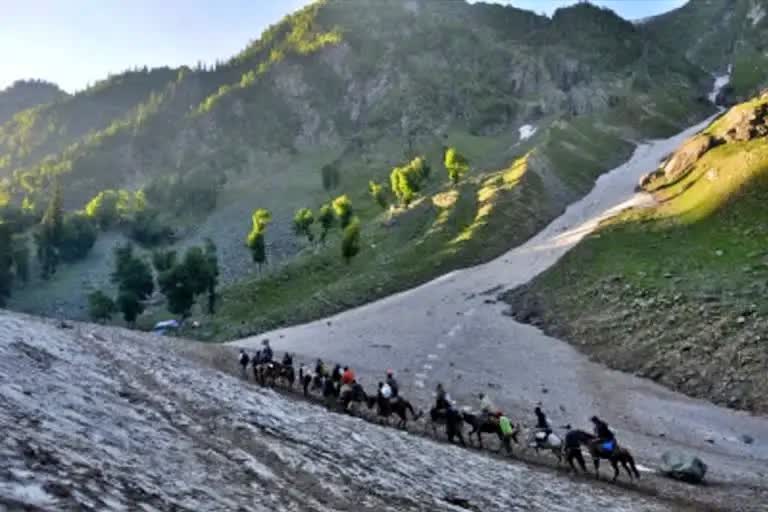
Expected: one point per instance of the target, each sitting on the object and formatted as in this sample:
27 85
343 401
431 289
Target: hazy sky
77 42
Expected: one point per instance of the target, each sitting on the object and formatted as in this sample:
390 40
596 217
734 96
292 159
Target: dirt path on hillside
451 330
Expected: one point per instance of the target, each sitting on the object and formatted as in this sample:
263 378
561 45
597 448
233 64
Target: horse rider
487 409
543 426
384 396
243 359
266 353
442 400
606 440
287 359
392 383
348 376
320 369
255 362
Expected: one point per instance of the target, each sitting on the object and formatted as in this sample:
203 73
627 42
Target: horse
286 373
452 420
487 426
540 440
355 394
399 406
619 455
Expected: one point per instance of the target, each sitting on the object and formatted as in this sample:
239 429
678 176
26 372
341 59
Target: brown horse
619 455
398 406
487 425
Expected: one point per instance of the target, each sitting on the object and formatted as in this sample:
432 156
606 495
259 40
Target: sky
75 43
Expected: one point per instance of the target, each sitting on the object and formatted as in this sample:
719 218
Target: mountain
718 34
361 89
674 292
26 94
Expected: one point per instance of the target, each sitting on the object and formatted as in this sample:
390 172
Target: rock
682 466
747 439
719 252
686 156
741 320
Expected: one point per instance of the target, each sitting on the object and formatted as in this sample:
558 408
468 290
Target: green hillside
719 34
192 152
676 292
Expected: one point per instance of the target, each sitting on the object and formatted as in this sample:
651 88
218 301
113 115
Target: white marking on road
432 356
427 366
454 330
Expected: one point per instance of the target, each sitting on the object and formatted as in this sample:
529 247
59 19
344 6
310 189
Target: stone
747 439
683 466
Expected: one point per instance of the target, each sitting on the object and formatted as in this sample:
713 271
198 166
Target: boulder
683 466
686 156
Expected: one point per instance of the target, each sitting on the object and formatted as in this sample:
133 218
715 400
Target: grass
675 292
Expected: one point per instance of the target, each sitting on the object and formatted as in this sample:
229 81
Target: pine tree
350 242
342 207
456 165
327 219
212 276
255 241
50 233
302 223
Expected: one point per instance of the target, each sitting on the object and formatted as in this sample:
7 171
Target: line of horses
352 398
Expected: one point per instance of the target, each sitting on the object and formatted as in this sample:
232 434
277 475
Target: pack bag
505 425
386 391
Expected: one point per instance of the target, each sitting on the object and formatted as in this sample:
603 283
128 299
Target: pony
398 406
452 420
619 455
354 394
540 440
488 425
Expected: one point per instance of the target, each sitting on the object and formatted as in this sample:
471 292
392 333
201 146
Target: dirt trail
98 418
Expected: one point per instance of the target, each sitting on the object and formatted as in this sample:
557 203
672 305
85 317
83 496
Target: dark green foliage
163 260
350 242
342 208
302 223
133 277
406 181
21 258
132 274
6 263
327 219
379 194
456 165
331 177
130 305
147 229
49 235
77 238
103 208
101 307
184 281
212 277
255 241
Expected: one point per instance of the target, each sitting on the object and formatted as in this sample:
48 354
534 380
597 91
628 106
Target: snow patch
756 14
720 82
527 131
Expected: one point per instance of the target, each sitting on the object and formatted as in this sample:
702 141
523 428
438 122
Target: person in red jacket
348 377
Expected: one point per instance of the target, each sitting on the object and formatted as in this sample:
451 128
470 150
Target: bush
342 208
350 242
77 237
101 307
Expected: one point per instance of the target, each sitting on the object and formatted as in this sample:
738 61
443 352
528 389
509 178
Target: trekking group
339 386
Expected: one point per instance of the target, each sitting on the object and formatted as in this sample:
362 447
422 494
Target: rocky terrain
105 419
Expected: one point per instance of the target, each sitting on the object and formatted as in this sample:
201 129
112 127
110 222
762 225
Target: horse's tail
413 412
631 462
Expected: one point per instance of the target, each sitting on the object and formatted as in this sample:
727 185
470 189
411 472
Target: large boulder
688 154
682 466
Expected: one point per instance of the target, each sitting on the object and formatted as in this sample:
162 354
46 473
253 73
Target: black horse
398 406
618 456
452 420
488 425
354 394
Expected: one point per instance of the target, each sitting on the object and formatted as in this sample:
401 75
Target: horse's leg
596 462
626 468
581 461
569 458
615 465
